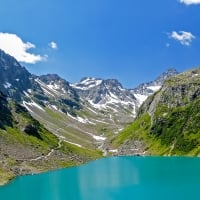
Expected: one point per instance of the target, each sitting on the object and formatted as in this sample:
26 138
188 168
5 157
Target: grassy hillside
26 146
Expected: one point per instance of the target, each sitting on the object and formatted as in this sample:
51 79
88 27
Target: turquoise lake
116 178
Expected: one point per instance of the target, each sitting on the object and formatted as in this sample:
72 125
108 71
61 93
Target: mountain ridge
97 108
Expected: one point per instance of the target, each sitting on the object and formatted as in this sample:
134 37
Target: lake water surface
116 178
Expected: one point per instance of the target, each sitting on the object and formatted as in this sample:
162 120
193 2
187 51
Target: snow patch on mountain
140 98
96 137
53 86
7 85
86 83
78 145
154 88
54 107
29 91
81 120
48 89
32 104
26 94
99 138
144 90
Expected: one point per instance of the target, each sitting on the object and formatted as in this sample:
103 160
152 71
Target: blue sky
131 40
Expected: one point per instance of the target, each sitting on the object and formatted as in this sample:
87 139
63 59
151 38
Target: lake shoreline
9 178
120 177
5 181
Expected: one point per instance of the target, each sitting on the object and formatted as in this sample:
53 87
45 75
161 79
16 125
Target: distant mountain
106 94
168 121
58 93
57 86
18 83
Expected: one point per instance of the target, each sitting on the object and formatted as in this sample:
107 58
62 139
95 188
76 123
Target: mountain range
48 122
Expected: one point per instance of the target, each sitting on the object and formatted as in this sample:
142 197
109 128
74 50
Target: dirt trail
49 154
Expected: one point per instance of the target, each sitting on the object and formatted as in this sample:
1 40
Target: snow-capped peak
87 83
105 94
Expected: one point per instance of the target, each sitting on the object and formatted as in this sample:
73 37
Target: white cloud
14 46
189 2
185 38
53 45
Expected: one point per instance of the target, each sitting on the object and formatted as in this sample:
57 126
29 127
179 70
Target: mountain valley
48 123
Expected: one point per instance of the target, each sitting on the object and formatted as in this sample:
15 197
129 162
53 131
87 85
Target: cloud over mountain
16 47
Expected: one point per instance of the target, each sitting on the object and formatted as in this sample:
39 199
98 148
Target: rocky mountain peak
113 83
6 60
165 75
50 77
107 94
56 87
56 81
14 79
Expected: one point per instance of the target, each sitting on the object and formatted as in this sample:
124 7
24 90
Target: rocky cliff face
5 117
177 91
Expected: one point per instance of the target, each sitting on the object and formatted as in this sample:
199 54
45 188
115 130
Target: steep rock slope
168 121
14 79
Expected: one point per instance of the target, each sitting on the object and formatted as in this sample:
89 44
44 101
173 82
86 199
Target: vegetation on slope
135 131
168 122
180 129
